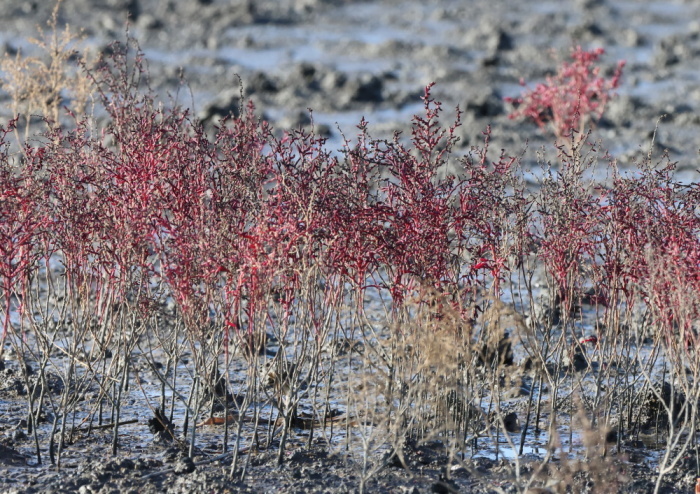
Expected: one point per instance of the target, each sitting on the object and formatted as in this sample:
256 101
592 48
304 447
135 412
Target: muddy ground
346 59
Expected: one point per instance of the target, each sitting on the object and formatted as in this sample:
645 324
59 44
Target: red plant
20 224
418 248
493 216
572 99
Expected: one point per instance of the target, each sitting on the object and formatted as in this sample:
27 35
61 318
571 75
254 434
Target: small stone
18 435
511 422
184 465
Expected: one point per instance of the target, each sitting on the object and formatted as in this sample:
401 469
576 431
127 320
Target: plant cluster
146 238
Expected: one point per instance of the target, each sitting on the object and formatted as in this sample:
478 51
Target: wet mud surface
346 60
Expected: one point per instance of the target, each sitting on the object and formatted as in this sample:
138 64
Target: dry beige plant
414 386
592 467
42 84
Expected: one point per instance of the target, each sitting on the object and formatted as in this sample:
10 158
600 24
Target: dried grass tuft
40 85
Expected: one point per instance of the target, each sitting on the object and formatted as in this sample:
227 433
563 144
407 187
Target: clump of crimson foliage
572 99
243 214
